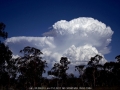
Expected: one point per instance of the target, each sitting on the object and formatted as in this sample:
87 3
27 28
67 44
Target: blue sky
34 17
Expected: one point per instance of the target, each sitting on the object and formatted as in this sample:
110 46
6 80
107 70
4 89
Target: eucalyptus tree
5 56
80 69
59 69
31 66
117 69
91 71
118 58
3 34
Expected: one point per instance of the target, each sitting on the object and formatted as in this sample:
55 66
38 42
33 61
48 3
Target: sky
28 22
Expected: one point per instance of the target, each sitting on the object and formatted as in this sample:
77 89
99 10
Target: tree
91 71
3 34
80 69
59 69
5 56
31 67
5 53
118 58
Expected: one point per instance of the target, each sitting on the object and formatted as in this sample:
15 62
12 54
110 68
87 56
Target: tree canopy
27 70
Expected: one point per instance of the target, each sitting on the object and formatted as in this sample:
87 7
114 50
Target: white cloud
78 39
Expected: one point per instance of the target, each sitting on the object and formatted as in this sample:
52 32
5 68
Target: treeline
26 71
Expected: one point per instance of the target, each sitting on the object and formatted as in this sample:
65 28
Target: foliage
3 34
59 69
26 71
5 56
31 67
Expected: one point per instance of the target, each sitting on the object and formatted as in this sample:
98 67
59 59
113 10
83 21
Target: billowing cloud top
82 31
78 39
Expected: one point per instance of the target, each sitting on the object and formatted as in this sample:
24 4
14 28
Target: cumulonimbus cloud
78 39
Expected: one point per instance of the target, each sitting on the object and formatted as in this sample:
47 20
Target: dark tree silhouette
3 34
26 71
80 69
31 67
5 53
91 72
118 58
5 56
59 69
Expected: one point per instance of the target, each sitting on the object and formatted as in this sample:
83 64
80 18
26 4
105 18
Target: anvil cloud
78 39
